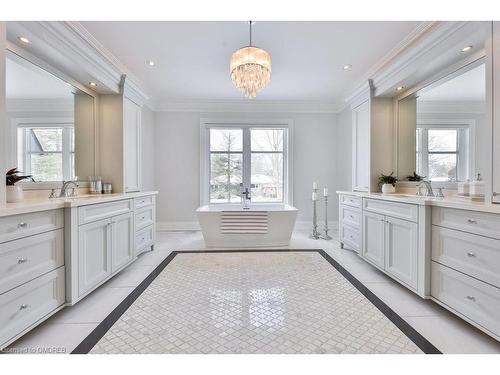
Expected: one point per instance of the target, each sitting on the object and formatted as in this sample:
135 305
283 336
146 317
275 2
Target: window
443 152
245 156
47 151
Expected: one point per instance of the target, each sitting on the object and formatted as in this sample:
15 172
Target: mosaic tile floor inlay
253 302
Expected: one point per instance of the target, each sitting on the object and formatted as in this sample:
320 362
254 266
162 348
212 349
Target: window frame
21 144
246 125
464 150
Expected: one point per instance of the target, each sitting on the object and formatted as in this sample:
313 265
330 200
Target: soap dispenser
477 188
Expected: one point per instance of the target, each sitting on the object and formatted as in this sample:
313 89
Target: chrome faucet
64 188
245 196
428 187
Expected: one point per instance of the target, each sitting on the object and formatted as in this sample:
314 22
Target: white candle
314 196
315 185
325 192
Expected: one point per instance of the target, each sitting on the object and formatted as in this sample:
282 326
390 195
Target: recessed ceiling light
93 84
23 39
150 62
467 48
347 67
399 88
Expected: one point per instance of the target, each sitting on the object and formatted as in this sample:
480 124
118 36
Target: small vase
15 193
388 189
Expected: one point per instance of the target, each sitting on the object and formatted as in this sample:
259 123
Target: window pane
442 167
225 177
442 140
46 167
226 140
267 177
48 139
267 139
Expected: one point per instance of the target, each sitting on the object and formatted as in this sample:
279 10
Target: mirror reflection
441 127
52 128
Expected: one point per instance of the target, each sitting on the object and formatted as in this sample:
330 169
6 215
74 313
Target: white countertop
34 205
449 202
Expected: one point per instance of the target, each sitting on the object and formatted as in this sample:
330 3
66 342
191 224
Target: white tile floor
70 326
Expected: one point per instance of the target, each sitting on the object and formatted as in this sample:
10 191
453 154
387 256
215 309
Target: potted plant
15 192
387 183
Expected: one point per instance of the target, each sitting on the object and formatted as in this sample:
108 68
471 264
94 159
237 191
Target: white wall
343 156
177 146
148 154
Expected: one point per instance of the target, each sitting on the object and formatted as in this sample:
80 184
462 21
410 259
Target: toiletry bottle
477 188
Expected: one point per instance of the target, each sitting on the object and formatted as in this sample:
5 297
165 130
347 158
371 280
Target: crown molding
419 44
242 106
70 48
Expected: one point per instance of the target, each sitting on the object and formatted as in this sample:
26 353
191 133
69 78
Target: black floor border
97 334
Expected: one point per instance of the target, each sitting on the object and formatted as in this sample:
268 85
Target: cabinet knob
471 254
471 298
471 221
22 260
24 306
22 225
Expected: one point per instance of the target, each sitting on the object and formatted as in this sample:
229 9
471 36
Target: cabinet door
373 238
132 145
122 230
496 111
401 250
361 147
94 254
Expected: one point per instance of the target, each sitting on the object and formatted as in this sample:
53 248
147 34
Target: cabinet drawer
476 300
18 226
27 258
474 255
350 200
143 218
350 237
94 212
403 211
483 223
350 216
23 306
144 238
144 201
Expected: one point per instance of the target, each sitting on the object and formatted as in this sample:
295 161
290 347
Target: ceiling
192 58
469 86
27 81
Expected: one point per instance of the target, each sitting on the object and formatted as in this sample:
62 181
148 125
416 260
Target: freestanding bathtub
263 225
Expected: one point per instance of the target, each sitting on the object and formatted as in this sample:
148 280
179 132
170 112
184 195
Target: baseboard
166 226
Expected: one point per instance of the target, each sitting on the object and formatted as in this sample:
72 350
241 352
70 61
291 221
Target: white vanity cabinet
105 237
393 236
391 243
104 244
32 271
465 271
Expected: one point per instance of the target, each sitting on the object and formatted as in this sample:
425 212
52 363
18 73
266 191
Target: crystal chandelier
250 68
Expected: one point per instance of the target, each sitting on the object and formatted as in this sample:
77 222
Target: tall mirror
441 128
51 124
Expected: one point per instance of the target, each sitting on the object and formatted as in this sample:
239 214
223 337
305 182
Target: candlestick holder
315 234
326 236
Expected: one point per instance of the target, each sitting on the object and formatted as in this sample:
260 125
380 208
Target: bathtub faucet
245 196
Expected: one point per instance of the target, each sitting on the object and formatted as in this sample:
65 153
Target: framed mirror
441 128
51 125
